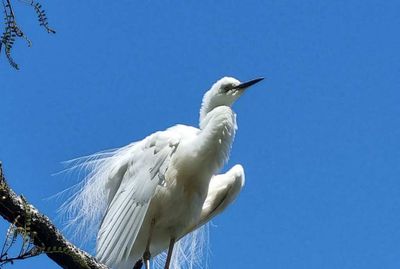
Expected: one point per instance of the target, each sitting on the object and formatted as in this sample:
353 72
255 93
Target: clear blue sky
319 139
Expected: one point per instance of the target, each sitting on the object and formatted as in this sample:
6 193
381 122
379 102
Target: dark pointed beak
247 84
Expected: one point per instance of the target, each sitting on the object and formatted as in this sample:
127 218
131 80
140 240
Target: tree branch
44 235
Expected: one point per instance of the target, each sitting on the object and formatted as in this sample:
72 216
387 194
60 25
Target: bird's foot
138 264
146 258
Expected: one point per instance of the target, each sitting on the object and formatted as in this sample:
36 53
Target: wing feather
222 191
127 208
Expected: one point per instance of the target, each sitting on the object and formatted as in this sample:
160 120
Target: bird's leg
146 254
170 249
146 257
147 260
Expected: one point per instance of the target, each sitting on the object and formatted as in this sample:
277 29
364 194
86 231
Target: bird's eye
226 88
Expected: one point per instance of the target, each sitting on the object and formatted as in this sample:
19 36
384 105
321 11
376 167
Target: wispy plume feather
190 252
86 204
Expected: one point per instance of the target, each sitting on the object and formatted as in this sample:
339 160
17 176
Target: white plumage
152 193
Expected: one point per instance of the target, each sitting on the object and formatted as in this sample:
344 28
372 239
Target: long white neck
210 102
218 130
206 106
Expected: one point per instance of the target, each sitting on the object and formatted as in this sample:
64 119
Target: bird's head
224 92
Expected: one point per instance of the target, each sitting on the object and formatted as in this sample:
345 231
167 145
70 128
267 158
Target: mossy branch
39 231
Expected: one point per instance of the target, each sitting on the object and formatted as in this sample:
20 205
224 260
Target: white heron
153 192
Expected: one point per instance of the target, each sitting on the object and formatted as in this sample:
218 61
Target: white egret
153 192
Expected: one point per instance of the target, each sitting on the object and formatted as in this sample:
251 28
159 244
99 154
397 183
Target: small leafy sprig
27 250
12 31
42 16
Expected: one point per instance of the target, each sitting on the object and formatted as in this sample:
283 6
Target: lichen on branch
38 233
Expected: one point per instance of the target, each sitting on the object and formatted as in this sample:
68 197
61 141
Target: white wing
132 185
222 191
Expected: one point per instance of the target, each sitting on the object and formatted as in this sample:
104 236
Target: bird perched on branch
153 192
